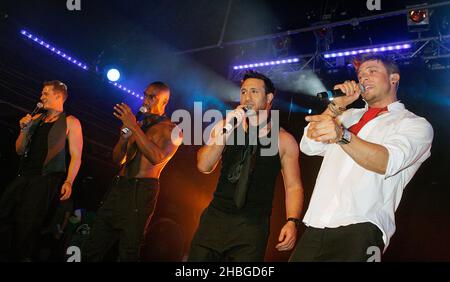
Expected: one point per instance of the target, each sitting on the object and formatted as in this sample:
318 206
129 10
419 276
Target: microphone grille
249 110
39 105
143 109
363 89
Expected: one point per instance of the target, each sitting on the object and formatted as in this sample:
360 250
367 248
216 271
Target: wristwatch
346 137
295 220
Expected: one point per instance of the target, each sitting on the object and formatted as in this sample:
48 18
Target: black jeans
345 243
123 217
25 206
229 237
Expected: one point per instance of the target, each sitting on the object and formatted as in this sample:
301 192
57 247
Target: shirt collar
392 107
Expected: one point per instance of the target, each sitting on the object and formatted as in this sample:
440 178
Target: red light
418 15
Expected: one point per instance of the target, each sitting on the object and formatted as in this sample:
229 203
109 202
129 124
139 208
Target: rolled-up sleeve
410 144
311 147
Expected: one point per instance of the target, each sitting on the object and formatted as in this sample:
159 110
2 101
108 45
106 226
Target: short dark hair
158 86
388 63
268 84
58 86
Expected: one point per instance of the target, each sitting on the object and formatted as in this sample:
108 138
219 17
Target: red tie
368 116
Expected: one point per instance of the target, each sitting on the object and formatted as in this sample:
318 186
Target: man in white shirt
370 155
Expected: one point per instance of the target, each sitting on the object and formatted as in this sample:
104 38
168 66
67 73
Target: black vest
55 159
263 175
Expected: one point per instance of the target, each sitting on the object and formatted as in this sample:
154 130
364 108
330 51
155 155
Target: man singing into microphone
235 225
42 180
370 155
143 151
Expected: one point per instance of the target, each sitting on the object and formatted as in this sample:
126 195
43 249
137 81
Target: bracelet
335 109
68 182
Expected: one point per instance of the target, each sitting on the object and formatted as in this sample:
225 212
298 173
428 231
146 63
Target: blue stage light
113 75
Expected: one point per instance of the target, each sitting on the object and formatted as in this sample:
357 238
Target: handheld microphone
38 107
142 110
331 94
230 125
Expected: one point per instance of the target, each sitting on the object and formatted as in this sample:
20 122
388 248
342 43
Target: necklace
50 119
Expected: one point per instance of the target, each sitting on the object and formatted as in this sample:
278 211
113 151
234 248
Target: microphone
230 125
38 107
331 94
142 110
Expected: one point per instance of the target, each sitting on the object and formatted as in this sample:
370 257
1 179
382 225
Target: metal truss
435 51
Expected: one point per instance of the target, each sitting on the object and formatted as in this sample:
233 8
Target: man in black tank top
28 202
252 150
143 150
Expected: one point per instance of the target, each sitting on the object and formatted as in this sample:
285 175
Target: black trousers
229 237
345 243
123 218
25 207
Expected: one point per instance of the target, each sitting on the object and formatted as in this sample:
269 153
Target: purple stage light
69 58
50 47
267 63
390 47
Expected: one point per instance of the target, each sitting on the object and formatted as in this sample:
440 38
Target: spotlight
418 20
324 36
281 46
113 75
418 16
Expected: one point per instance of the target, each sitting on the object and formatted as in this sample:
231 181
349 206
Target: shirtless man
143 151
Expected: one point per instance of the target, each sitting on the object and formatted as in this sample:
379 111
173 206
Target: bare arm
370 156
373 157
120 150
156 148
21 142
410 143
22 139
75 137
291 175
289 154
157 151
210 154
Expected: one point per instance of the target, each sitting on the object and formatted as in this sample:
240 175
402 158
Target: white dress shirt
346 193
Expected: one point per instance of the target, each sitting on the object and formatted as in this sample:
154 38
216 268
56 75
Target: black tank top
261 182
34 160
